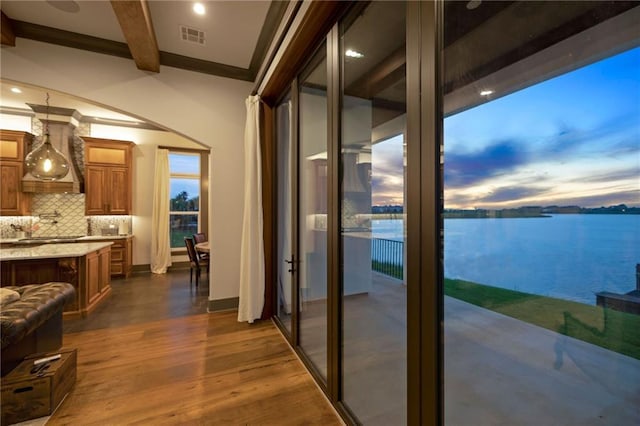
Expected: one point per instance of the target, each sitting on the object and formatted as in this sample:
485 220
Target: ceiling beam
8 37
384 74
135 20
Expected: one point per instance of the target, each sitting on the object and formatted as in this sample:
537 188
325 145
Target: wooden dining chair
201 237
195 261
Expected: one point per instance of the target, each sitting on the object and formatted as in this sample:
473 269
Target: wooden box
26 396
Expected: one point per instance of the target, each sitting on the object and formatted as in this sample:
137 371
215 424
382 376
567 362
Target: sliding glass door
374 292
312 205
285 197
541 201
301 155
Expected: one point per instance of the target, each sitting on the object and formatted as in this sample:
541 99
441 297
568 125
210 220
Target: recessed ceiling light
353 54
473 4
486 92
16 90
199 8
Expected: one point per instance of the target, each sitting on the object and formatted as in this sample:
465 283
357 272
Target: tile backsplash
62 215
103 225
6 231
58 215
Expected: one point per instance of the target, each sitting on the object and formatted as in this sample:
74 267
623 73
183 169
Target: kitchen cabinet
14 145
98 280
121 256
107 176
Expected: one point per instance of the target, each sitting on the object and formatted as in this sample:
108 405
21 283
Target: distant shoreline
396 212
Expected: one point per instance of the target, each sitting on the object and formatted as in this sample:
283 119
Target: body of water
565 256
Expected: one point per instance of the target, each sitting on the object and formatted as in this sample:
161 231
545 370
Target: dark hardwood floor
152 355
146 297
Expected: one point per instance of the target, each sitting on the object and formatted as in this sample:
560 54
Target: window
184 204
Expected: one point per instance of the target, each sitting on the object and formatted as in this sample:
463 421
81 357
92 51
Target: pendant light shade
46 162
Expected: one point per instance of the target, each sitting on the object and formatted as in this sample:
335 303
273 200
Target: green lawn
617 331
178 234
387 268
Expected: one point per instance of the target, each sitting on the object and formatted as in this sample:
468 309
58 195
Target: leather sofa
32 323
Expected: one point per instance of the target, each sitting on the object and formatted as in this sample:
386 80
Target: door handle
291 262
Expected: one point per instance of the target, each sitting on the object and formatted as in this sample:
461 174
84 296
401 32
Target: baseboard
179 265
223 304
136 269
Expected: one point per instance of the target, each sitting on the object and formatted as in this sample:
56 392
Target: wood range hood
62 123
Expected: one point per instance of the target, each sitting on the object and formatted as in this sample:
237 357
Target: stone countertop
103 237
51 251
79 239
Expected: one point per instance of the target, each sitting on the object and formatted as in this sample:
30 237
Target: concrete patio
498 370
502 371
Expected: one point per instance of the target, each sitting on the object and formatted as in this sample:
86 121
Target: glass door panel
372 213
312 205
285 169
541 231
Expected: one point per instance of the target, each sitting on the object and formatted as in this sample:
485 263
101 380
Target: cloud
468 169
511 193
458 200
603 200
618 135
391 164
626 147
614 176
387 173
386 189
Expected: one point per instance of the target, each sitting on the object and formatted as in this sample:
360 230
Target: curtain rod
175 148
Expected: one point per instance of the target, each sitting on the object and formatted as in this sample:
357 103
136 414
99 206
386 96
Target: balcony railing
387 257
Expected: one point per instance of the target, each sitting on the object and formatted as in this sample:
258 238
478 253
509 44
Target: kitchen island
85 265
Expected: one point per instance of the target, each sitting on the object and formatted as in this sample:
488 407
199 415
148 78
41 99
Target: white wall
207 109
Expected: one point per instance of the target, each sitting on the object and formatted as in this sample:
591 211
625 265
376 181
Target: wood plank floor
194 369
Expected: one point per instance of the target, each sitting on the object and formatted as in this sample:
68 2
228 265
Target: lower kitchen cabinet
121 256
98 277
89 273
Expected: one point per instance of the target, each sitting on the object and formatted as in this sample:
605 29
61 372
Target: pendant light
46 162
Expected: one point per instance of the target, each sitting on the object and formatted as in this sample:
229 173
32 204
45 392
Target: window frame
203 179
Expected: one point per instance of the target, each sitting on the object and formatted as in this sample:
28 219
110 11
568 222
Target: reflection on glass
285 249
312 205
542 224
374 295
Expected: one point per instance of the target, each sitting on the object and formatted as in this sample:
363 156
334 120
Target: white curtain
160 239
251 298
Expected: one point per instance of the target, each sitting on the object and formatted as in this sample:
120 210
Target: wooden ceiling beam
8 36
135 20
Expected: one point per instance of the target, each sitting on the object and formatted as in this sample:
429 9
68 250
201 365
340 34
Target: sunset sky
571 140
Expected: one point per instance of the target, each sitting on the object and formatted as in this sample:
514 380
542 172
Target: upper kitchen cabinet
107 176
14 145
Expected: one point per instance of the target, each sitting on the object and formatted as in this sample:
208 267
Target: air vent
192 35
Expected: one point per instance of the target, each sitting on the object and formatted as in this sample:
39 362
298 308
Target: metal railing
387 257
